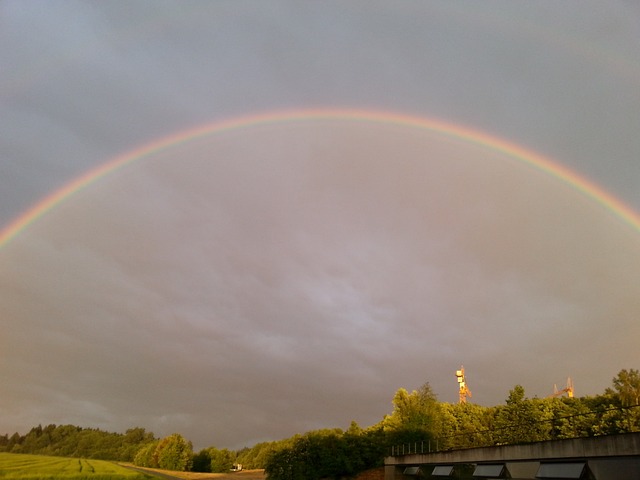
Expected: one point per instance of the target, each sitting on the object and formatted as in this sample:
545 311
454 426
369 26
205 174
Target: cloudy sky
274 278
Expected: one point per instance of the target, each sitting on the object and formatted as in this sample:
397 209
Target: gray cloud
253 284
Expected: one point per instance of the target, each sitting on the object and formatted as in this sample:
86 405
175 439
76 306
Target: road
170 475
151 472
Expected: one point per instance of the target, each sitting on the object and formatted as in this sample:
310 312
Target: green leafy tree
202 462
466 425
364 449
145 456
174 453
328 453
72 441
256 456
627 387
608 416
133 439
221 460
416 416
15 443
521 420
564 417
286 462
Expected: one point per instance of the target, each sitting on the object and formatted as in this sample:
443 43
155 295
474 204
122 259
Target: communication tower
462 385
568 390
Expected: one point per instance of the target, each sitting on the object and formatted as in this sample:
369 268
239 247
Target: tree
564 417
221 460
466 425
416 416
133 439
286 462
324 454
202 462
174 453
145 455
354 428
520 420
256 456
364 449
627 386
13 445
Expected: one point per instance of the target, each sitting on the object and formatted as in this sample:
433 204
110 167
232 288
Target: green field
32 467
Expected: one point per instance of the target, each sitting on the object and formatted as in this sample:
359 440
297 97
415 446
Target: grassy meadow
31 467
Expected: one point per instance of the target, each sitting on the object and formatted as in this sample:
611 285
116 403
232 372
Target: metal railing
418 447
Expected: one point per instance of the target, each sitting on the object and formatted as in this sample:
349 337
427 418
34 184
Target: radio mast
462 385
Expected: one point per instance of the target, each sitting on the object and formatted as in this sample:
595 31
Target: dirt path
159 473
171 475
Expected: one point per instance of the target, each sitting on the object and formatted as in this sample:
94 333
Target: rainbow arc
535 160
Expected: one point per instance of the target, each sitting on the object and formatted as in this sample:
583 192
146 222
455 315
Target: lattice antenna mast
462 385
568 390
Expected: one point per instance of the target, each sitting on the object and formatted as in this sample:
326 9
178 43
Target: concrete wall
613 468
590 447
612 457
392 473
373 474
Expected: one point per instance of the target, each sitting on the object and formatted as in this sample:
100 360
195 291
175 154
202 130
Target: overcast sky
256 283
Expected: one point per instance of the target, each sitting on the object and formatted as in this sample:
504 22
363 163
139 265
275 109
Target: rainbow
563 174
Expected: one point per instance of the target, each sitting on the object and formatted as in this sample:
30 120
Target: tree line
73 441
417 418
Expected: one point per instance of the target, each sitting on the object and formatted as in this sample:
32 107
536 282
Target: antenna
462 385
568 390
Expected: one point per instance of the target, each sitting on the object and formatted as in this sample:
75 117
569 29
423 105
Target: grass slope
31 467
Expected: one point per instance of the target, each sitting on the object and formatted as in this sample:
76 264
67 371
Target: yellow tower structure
462 385
568 390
